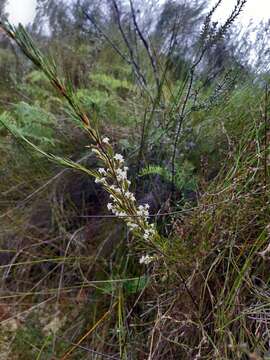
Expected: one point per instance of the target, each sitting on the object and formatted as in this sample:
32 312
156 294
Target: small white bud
106 140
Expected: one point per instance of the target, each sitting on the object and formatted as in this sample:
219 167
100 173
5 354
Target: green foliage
185 178
105 98
205 293
130 286
31 121
37 88
99 101
37 77
6 61
110 83
31 341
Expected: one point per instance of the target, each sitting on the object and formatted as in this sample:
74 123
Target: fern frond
153 170
184 177
6 122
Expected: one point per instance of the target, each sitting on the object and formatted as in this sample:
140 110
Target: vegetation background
186 101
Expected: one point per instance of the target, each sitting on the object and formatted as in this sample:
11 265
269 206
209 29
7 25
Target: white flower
100 180
146 213
106 140
132 226
115 189
119 158
130 196
102 171
146 259
143 211
146 236
121 174
122 213
148 233
110 206
144 207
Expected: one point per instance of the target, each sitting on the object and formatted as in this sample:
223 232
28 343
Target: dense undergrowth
78 282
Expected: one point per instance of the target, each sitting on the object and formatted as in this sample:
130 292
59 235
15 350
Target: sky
21 11
24 10
255 10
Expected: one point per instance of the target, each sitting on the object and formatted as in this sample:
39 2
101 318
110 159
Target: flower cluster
149 232
143 210
122 201
146 259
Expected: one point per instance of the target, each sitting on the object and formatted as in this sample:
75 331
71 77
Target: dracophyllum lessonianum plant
113 175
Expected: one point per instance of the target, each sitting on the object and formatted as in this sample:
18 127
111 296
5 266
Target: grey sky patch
21 11
24 10
255 10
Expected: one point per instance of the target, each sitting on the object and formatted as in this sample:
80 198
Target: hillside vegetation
134 182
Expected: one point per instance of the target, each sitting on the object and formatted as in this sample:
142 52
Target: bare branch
128 45
146 45
138 75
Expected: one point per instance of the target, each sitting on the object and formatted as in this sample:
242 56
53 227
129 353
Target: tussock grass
226 243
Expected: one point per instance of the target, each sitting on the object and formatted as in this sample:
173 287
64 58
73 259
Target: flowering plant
122 203
113 176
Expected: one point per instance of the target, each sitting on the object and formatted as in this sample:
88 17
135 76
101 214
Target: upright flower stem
114 176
